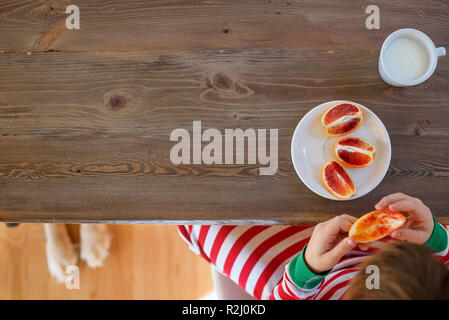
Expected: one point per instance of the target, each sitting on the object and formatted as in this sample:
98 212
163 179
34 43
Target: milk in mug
408 57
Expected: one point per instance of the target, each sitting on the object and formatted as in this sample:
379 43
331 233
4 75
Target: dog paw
95 243
60 251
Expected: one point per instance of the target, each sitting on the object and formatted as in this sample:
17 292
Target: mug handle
441 51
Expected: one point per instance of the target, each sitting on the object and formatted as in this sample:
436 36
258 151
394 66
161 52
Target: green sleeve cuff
301 275
438 239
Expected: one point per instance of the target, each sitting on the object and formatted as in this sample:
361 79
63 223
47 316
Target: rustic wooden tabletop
86 115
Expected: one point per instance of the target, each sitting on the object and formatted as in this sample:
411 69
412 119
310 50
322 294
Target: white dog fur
95 242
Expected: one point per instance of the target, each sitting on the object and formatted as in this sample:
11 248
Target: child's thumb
404 234
341 249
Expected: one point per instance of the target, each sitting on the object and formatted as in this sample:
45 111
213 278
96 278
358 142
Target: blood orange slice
355 152
337 181
342 119
376 225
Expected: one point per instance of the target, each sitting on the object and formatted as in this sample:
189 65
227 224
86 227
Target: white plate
311 148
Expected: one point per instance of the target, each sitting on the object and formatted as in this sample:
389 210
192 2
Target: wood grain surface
86 115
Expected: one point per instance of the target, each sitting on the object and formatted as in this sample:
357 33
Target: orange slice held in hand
337 181
342 119
355 152
376 225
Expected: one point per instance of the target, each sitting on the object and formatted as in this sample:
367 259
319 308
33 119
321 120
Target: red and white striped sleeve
443 255
254 257
257 258
330 286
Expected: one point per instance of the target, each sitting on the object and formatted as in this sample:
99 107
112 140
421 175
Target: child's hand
328 244
419 225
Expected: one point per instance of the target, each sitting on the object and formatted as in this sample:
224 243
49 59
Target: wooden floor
145 262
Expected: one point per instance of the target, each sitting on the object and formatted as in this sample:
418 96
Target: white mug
416 53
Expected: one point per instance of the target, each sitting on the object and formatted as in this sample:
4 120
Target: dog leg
59 249
95 243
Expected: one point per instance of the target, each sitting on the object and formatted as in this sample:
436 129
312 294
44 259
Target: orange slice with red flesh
337 181
355 152
376 225
342 119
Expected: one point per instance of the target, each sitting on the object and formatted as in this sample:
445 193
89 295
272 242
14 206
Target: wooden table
86 115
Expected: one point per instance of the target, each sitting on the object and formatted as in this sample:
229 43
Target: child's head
406 271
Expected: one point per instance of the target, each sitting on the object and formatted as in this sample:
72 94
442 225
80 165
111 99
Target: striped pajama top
257 259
